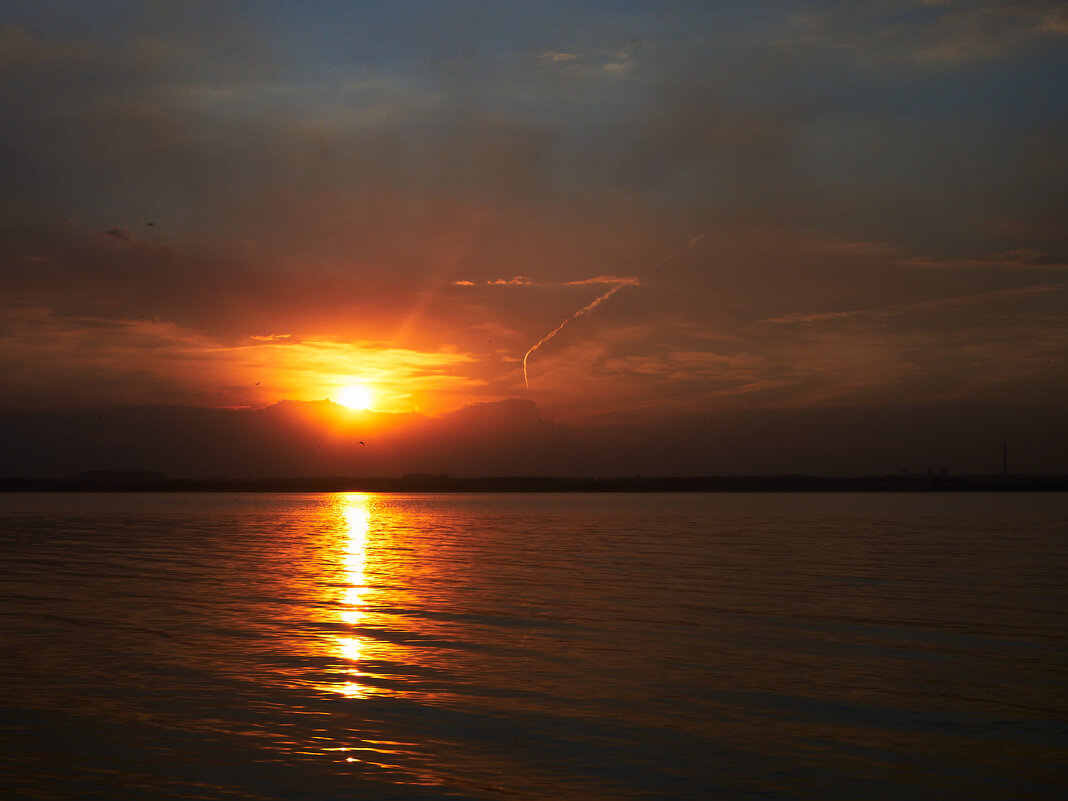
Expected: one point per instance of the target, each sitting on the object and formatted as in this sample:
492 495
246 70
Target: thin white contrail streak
595 303
592 305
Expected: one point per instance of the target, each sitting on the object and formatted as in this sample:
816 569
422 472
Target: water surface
535 646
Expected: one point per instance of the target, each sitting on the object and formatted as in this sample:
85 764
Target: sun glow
355 396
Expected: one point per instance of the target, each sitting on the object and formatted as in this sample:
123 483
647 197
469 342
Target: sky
779 208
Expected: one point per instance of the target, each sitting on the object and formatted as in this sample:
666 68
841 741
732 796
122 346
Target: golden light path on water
355 515
350 519
355 573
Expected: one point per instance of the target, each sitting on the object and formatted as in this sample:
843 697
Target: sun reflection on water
362 574
355 513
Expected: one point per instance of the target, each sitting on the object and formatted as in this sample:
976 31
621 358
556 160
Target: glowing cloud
606 279
172 363
517 280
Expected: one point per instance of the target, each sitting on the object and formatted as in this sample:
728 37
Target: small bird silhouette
363 443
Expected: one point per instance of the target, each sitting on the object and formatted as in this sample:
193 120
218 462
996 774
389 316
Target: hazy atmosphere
555 238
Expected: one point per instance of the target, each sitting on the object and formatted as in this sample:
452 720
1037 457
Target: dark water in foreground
533 646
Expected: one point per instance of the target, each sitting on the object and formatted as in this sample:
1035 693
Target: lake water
361 646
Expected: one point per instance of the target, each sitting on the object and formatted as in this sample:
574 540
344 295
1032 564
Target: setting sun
355 396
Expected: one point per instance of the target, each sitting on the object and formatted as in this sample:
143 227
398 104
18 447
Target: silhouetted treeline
107 481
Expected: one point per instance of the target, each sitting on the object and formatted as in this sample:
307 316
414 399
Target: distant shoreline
106 481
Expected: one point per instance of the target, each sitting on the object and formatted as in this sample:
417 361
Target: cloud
286 439
594 61
339 189
557 57
606 279
1020 259
849 248
121 234
270 337
943 34
806 318
516 280
523 280
103 360
991 30
990 345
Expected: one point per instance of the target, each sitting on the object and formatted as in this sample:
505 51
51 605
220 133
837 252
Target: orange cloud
155 361
606 279
522 280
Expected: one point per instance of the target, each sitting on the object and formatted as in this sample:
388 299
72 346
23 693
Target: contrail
674 256
597 302
593 305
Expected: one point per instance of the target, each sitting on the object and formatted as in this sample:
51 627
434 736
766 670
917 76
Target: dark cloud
931 35
286 439
513 438
121 234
